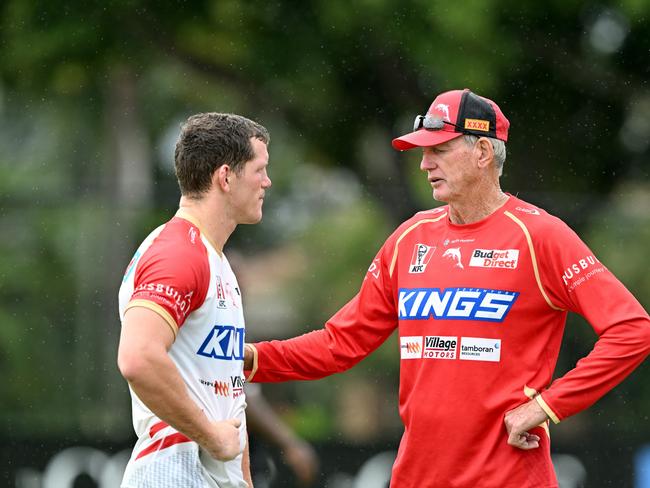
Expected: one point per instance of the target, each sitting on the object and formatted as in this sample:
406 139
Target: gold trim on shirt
529 239
532 393
140 302
551 414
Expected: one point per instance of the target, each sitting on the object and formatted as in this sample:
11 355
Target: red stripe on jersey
157 427
164 443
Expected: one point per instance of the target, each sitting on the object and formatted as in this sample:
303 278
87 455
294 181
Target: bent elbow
130 365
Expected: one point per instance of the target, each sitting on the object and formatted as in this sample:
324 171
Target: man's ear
221 177
485 152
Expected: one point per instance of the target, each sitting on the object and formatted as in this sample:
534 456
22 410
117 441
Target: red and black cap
453 114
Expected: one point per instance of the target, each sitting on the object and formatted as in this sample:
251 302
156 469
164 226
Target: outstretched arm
356 330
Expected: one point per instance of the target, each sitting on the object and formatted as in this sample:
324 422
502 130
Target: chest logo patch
455 304
224 342
421 257
480 349
221 295
410 347
494 258
453 254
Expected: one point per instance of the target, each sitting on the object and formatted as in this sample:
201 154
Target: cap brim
424 138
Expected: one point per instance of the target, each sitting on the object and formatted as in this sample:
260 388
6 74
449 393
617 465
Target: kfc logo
421 257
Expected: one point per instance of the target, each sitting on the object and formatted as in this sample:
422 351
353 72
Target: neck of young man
211 217
476 205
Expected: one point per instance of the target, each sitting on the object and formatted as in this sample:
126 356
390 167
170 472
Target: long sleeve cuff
551 414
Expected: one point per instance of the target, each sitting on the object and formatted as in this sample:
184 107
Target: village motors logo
223 342
237 383
495 258
440 347
421 257
455 304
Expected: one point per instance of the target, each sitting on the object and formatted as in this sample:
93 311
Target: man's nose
427 162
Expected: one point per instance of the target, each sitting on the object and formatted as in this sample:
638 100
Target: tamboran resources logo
480 349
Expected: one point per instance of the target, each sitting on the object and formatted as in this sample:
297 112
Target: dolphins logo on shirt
453 253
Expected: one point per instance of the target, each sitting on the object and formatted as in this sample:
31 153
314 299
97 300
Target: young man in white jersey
182 341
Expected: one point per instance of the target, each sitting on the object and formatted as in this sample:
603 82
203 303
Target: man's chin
439 196
252 220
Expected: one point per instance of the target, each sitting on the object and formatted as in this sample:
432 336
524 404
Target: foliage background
91 97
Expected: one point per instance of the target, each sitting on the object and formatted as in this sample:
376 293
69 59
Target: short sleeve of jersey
173 275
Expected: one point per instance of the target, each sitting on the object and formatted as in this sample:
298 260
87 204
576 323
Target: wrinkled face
248 187
450 169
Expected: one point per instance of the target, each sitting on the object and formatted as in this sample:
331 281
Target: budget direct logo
495 258
455 304
440 347
223 342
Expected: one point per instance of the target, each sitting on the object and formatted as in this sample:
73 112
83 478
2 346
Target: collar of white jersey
185 215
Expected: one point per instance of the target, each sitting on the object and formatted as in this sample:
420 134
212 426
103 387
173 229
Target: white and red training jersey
177 273
480 310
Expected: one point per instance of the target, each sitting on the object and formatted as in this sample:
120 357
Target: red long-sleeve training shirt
480 310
